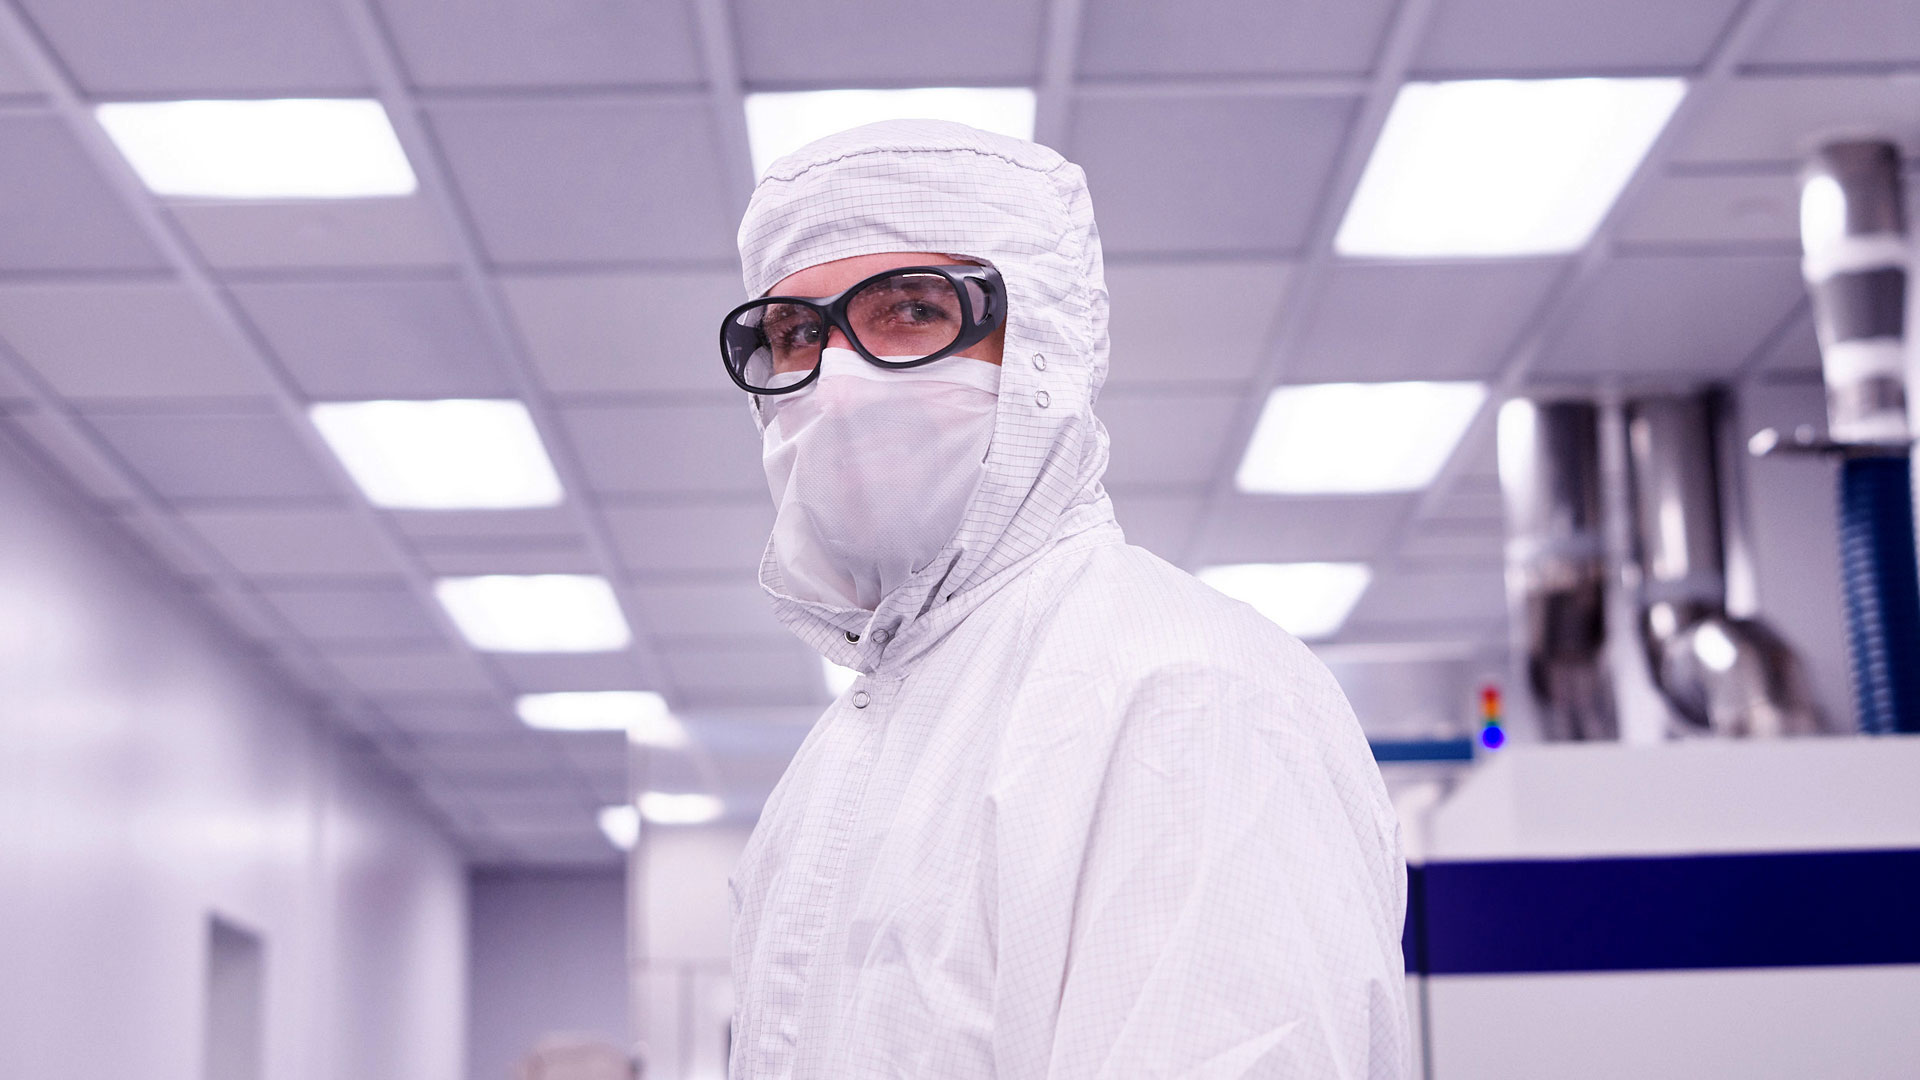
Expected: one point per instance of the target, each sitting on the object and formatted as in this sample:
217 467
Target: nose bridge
837 339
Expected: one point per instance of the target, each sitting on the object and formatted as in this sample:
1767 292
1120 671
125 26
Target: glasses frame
833 309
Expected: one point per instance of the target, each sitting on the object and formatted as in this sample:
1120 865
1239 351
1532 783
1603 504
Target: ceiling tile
1163 524
1413 598
437 671
1681 316
658 449
354 612
125 339
1796 350
1570 37
347 340
1470 502
1160 439
15 81
625 333
709 608
1212 38
1380 321
1157 309
15 394
56 211
243 614
1730 209
1778 121
73 454
1435 544
489 767
343 233
479 715
663 538
1859 32
559 181
457 528
757 672
206 47
1227 174
552 43
598 755
818 42
166 544
560 556
1305 529
200 455
531 673
295 542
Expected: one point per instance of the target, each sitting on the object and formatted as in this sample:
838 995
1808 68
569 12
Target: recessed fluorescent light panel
294 148
1307 600
1502 166
663 808
838 678
642 714
537 613
780 123
621 825
441 455
1356 438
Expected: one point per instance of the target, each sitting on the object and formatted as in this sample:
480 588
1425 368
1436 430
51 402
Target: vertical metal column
1853 230
1556 562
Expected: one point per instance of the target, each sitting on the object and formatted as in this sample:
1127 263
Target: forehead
839 275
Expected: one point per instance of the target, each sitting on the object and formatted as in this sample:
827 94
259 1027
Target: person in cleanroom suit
1079 815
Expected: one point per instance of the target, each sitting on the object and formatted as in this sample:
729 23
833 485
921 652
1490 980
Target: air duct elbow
1721 674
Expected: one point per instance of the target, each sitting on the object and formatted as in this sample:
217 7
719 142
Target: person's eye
919 312
794 334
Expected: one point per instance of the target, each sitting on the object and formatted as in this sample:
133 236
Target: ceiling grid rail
726 96
1053 113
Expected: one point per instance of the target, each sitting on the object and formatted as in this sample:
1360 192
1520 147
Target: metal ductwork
1556 562
1722 674
1853 231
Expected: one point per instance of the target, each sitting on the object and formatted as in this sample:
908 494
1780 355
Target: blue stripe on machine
1647 914
1399 750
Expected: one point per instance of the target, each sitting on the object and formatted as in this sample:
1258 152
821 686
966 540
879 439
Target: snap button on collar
853 638
1041 399
860 699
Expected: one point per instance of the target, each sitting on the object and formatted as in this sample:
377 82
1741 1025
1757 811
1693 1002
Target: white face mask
871 471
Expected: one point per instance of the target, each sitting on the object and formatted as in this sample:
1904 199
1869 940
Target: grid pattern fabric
1079 815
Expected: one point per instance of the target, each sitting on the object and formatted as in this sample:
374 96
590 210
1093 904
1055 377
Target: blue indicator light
1492 737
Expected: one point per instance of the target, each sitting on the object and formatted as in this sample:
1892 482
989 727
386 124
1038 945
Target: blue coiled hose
1882 583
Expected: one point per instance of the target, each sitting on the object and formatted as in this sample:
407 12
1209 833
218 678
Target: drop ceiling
583 166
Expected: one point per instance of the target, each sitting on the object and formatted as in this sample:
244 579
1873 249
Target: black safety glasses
898 318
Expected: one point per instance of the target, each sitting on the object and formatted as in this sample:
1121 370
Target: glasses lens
906 315
775 344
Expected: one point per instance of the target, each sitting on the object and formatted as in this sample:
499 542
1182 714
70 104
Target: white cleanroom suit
1080 815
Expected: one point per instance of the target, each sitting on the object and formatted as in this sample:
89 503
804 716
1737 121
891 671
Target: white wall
683 988
150 775
549 957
